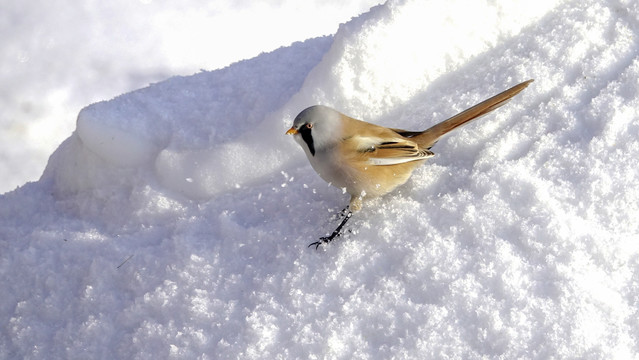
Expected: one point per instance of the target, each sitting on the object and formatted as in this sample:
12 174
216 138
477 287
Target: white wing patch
392 161
400 160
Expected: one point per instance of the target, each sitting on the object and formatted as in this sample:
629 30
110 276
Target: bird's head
317 127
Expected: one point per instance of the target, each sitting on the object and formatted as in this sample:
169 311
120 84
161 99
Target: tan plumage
369 160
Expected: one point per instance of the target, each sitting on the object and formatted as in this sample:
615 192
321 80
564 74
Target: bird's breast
359 178
330 168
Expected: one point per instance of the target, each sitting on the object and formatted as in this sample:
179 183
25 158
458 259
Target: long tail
428 138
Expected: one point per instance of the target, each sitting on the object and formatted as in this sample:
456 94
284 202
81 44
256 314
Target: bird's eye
309 126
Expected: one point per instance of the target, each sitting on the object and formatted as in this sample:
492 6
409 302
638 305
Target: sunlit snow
173 222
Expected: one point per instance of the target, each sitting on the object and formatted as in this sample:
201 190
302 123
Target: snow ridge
173 223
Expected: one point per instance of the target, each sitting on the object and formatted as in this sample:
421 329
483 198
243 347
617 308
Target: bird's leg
340 214
337 232
344 212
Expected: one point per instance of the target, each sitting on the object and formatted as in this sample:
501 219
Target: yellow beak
292 131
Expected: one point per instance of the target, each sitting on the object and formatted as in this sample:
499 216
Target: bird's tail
429 137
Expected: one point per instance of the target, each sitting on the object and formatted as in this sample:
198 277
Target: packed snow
57 56
174 221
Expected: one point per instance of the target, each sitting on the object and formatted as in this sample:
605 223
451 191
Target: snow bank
56 57
174 222
360 73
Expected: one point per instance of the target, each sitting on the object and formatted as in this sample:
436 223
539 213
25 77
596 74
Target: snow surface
173 223
57 56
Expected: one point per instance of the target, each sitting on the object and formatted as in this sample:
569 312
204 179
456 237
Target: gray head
316 127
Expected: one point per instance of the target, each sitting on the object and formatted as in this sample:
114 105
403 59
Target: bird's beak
292 131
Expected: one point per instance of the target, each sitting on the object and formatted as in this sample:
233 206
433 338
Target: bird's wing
386 151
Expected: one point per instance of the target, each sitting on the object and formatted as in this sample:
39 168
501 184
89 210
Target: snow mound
174 222
200 132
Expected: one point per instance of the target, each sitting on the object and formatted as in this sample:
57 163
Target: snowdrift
173 223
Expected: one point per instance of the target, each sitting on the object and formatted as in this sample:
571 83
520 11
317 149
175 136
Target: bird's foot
322 240
336 233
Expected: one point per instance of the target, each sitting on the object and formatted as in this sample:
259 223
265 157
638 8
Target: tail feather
429 137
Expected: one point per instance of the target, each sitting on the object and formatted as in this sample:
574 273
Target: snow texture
173 223
57 56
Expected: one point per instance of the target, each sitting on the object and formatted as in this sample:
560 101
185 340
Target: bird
368 160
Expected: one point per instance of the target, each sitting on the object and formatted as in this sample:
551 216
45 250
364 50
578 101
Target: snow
174 221
57 56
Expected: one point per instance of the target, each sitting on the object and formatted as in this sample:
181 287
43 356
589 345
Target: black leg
336 233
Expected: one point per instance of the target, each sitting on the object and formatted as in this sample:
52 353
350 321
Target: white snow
57 56
173 222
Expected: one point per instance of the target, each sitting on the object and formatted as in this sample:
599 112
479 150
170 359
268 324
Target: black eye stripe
308 138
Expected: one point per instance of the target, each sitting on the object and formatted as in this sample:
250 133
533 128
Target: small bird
369 160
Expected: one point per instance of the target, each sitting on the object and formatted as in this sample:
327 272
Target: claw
317 243
337 232
323 240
